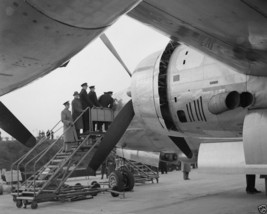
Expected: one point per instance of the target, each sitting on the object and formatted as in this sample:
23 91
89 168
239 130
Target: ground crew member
163 167
105 101
104 169
110 163
85 103
76 112
186 168
68 128
251 178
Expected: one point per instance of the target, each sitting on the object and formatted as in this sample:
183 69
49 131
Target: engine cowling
181 92
147 91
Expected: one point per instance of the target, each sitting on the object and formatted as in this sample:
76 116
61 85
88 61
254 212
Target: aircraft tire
113 194
116 179
128 179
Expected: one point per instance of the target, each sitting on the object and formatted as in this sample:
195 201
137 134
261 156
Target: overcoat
106 101
66 118
84 99
93 98
76 111
186 167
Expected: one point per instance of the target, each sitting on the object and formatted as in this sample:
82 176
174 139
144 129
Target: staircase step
62 157
28 192
40 181
86 147
48 190
25 198
15 193
32 189
52 166
64 154
49 173
56 161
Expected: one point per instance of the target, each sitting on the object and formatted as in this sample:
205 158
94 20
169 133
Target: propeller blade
181 143
113 135
109 45
10 124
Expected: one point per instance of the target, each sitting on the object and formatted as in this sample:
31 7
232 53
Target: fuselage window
181 116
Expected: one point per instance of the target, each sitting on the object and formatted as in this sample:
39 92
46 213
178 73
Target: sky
39 104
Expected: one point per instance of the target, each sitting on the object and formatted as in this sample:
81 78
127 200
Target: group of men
81 103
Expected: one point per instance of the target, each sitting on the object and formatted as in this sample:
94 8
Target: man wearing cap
105 101
85 103
68 128
93 98
76 112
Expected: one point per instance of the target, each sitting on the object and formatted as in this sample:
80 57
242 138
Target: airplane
209 84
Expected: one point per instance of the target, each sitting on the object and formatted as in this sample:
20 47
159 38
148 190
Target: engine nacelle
181 92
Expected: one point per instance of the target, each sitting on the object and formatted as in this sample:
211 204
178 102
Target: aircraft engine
181 92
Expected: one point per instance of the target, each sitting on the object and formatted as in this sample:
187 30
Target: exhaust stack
224 102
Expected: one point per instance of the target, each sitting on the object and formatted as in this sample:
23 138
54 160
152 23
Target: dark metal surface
10 124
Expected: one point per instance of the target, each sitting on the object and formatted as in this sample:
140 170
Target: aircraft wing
232 31
37 37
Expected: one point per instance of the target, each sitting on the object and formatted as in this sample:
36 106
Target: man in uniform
76 112
105 101
68 128
93 98
186 168
85 103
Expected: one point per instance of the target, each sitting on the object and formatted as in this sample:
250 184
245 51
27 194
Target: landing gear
115 179
122 179
128 179
115 188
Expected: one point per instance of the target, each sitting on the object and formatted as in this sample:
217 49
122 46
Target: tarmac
202 194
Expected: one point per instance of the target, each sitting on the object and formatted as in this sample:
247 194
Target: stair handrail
80 161
62 165
21 159
35 157
48 149
149 168
136 168
43 139
45 148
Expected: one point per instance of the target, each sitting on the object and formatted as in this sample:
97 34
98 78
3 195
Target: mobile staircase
47 181
142 172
